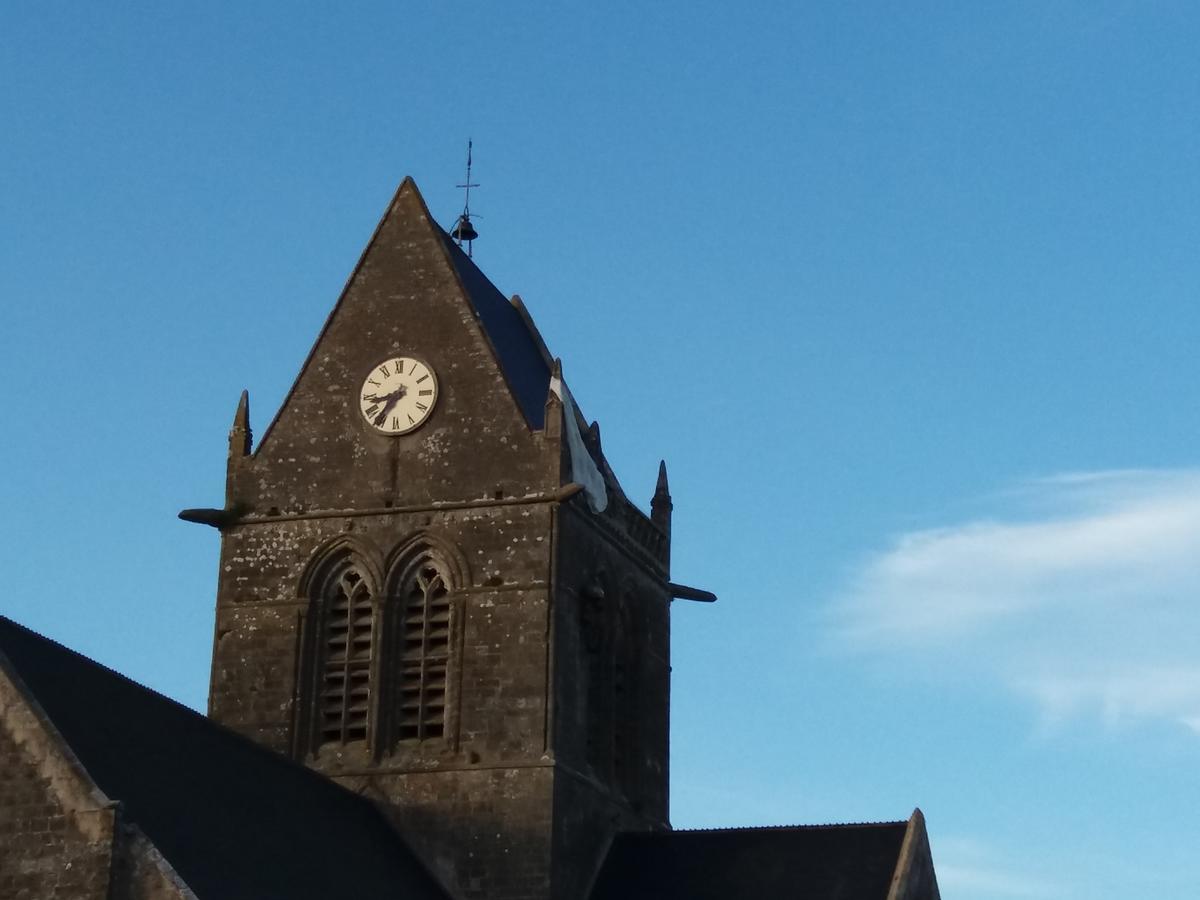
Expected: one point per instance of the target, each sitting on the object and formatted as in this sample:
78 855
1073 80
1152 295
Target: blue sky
904 293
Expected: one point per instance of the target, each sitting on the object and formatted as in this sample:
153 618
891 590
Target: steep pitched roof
518 346
517 349
829 862
236 821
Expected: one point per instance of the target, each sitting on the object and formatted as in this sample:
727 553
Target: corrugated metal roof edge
745 828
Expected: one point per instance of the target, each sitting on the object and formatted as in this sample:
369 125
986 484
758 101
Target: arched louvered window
347 651
424 653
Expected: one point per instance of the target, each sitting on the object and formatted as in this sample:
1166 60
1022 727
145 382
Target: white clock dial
398 395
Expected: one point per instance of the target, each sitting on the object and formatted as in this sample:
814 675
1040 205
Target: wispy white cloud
1085 596
1148 690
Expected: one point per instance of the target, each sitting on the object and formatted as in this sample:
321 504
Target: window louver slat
424 645
348 650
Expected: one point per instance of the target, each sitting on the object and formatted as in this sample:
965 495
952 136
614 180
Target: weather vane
463 230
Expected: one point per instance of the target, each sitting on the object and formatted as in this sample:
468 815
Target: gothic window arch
423 627
343 645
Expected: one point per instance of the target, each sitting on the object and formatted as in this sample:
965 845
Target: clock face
398 395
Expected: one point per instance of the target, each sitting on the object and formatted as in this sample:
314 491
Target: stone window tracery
424 606
348 650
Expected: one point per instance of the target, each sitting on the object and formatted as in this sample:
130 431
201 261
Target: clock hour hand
388 402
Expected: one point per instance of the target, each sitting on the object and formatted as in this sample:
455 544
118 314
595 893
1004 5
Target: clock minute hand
386 398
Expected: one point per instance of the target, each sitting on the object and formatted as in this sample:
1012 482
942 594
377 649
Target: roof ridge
848 860
795 827
5 620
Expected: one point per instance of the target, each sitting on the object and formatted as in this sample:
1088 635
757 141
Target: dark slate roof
236 821
516 348
827 862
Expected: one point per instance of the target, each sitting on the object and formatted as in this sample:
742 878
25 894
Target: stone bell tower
433 589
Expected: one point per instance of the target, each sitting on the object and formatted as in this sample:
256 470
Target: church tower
433 589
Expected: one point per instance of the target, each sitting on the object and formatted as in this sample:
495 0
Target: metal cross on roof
463 230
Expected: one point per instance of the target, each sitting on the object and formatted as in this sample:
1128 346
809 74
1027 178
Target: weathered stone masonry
554 730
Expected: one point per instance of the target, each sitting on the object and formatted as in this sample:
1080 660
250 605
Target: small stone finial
240 436
554 394
554 419
661 490
660 503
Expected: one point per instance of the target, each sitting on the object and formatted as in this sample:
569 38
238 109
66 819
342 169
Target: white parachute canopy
583 468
